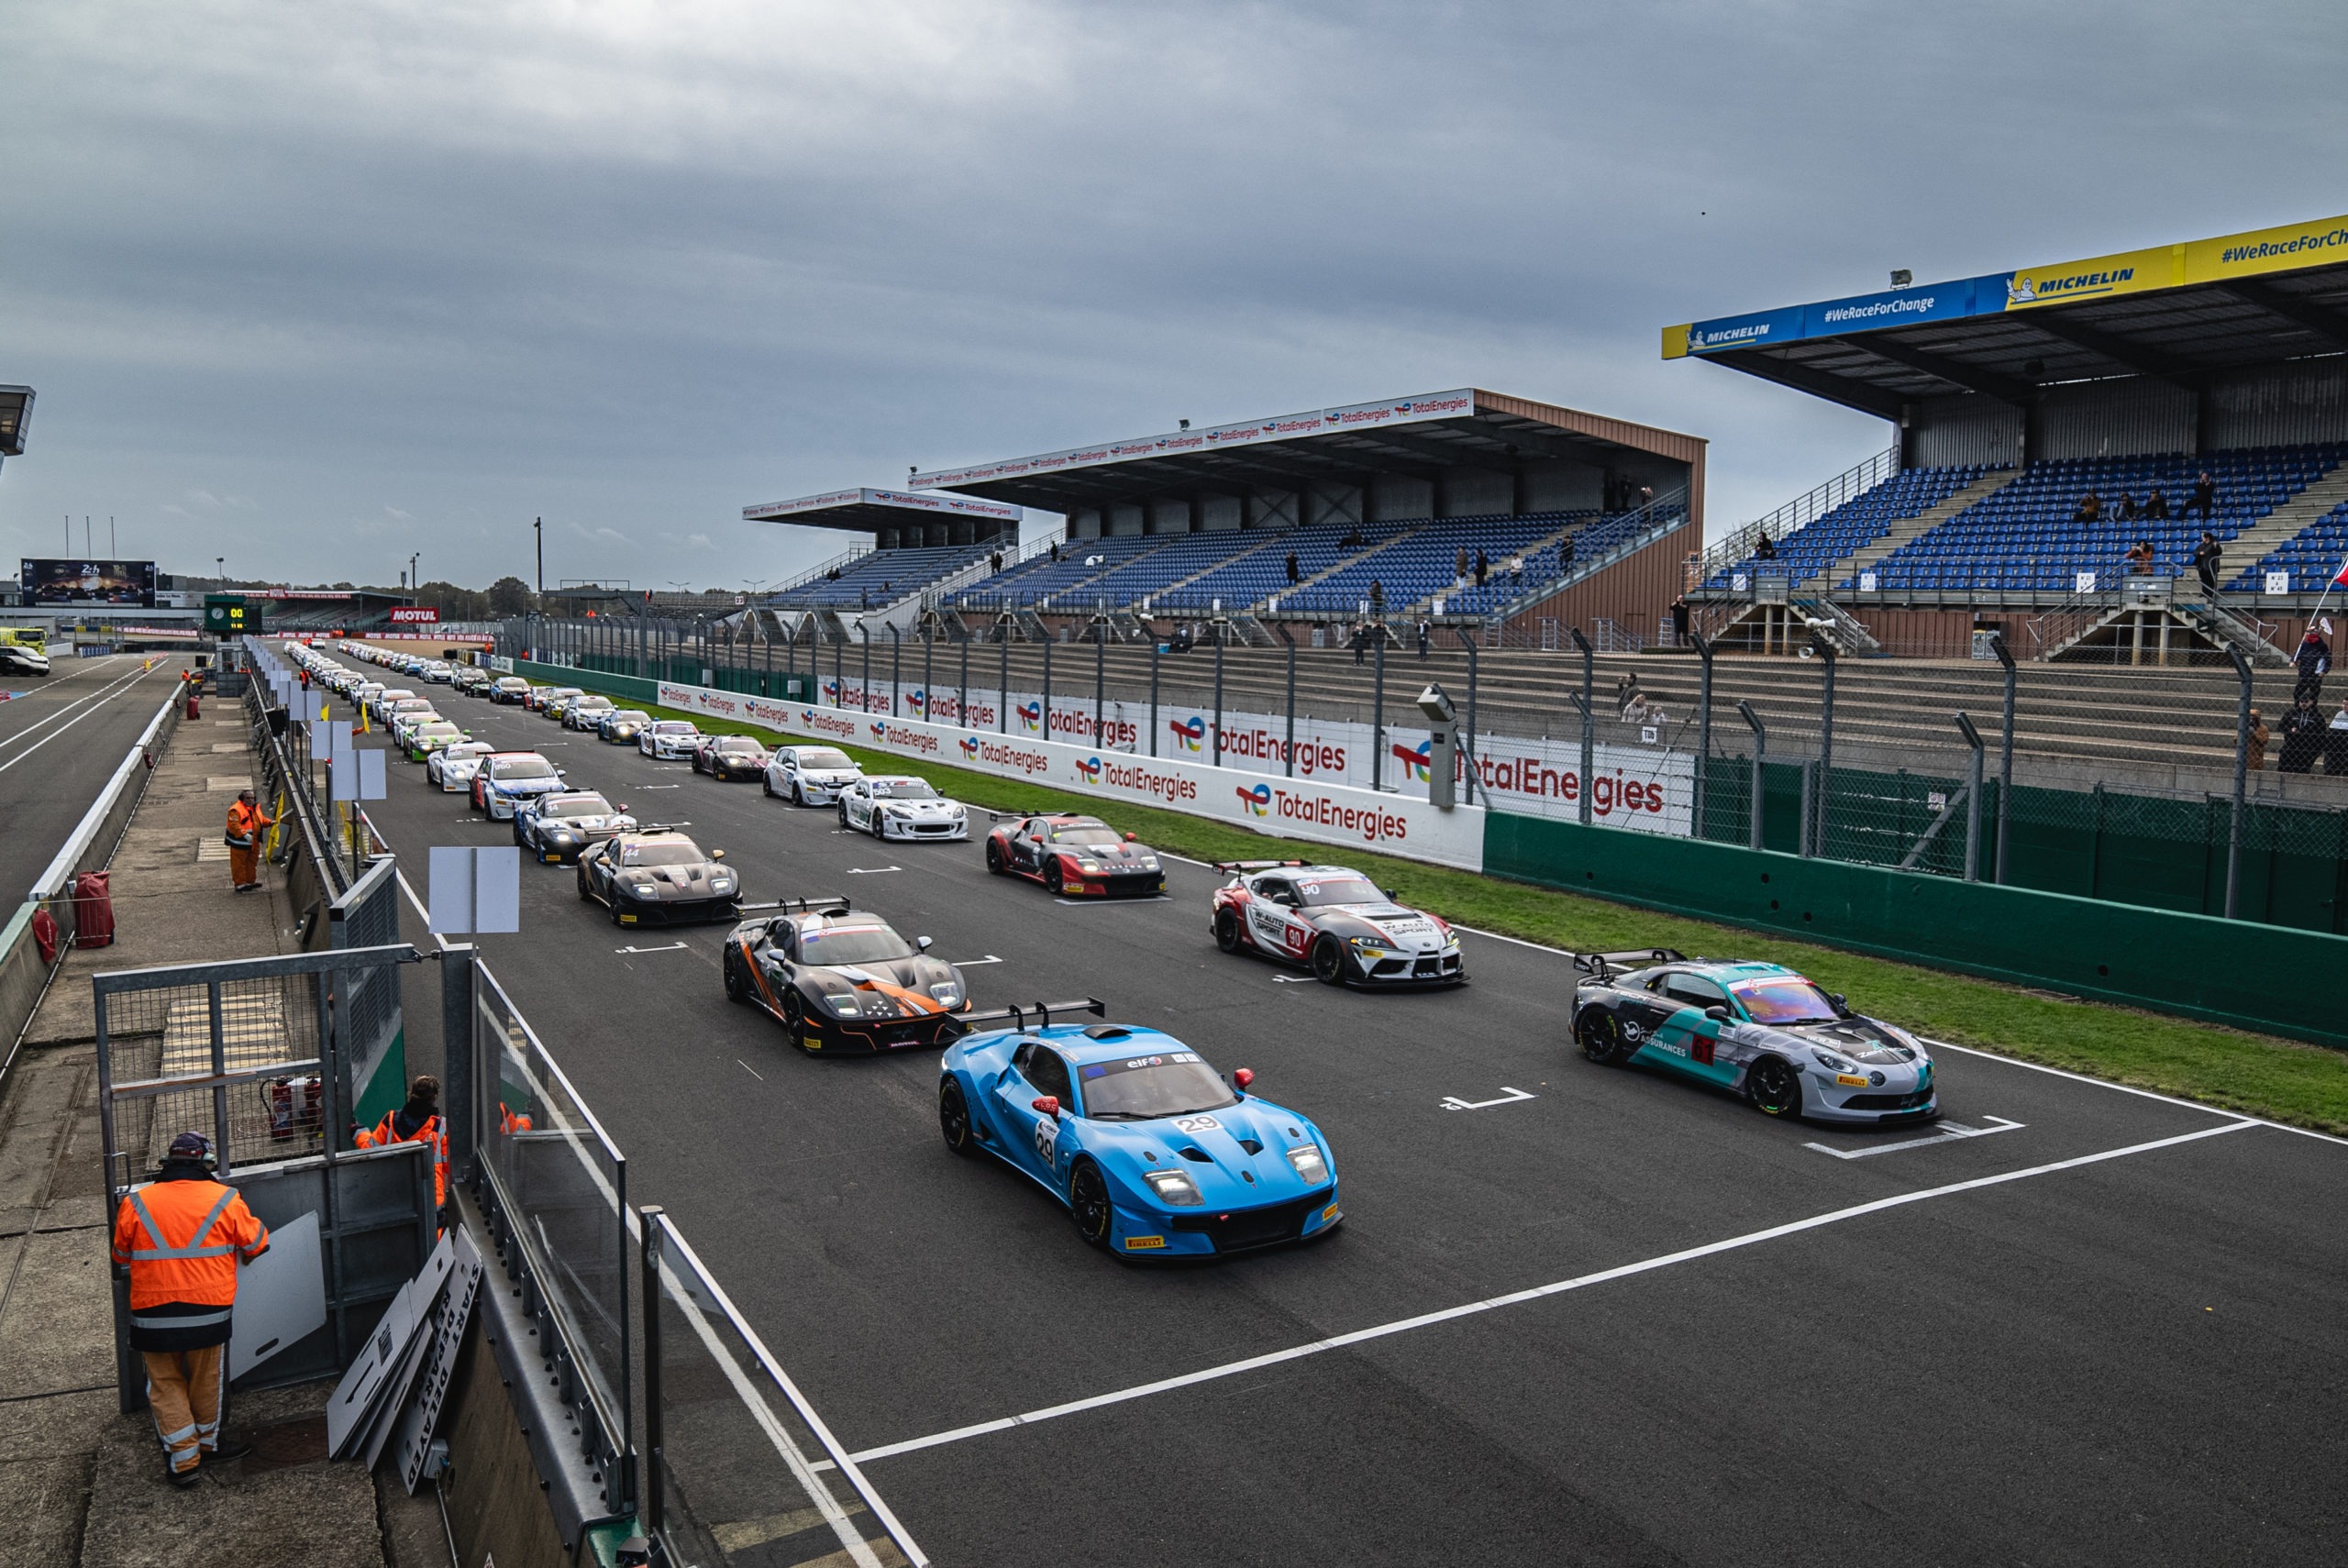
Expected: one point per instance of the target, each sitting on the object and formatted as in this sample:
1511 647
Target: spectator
1483 567
1055 549
2090 508
2205 496
2259 736
2129 510
1291 569
1459 569
2139 557
1679 613
1517 565
2314 659
1361 642
1566 552
1426 636
1377 597
1646 495
994 561
2156 506
1765 549
2335 742
2206 556
1630 702
833 575
2303 735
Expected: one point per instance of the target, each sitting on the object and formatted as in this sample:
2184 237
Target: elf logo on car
1088 770
1190 732
1031 715
1417 761
1257 798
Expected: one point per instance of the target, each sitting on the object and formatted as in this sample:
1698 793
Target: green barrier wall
780 684
2271 978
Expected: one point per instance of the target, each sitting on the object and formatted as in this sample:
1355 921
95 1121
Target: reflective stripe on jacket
432 1131
182 1240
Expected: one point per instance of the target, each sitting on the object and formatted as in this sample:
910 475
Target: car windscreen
628 716
1105 837
903 790
852 944
1315 891
524 768
1784 999
661 854
824 756
436 732
578 806
737 744
1138 1089
675 727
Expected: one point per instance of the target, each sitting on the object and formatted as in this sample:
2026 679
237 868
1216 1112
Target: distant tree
509 597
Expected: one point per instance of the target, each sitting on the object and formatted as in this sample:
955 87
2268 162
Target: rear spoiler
820 903
1236 867
1017 1017
1606 965
661 827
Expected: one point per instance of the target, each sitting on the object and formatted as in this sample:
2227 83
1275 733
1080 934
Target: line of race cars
1151 1152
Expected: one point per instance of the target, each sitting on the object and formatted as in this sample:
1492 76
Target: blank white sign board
281 1295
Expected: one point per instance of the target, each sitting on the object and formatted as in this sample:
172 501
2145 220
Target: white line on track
750 1069
1539 1292
2131 1089
1948 1133
96 699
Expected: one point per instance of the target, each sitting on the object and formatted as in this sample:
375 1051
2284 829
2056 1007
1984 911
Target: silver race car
899 805
809 774
1334 921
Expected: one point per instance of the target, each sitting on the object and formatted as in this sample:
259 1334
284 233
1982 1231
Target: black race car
1074 855
842 980
731 756
556 828
1334 921
658 876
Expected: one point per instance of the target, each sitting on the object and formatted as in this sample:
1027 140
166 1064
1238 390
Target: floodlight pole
2241 779
1002 698
1760 762
962 702
1704 727
1154 647
1588 722
1043 713
864 693
928 649
1378 712
2005 752
1972 800
1099 673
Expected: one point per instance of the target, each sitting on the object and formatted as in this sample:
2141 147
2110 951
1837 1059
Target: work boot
183 1479
227 1449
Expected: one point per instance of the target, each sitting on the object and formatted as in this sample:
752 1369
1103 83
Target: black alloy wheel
794 1016
1775 1088
585 896
995 866
735 990
1329 961
1601 1038
845 823
954 1119
1087 1205
873 821
1227 934
799 793
1056 877
766 784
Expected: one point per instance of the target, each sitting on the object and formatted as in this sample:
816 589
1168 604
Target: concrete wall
1399 498
1220 513
1169 516
1559 484
1337 504
1272 508
1124 520
1476 492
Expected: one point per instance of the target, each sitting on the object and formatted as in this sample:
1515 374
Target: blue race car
1152 1154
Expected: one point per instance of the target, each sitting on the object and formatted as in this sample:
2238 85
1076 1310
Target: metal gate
250 1051
374 1065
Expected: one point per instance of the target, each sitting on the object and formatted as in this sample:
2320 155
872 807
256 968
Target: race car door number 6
1196 1124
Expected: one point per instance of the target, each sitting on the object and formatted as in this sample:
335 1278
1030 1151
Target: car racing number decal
1047 1138
1197 1124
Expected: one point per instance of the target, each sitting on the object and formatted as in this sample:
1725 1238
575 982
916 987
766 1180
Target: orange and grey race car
1074 855
842 980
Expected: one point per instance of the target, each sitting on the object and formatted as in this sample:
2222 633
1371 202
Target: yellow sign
2129 272
1674 341
2281 249
1141 1243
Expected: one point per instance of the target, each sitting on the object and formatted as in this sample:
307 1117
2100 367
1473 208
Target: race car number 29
1048 1137
1196 1124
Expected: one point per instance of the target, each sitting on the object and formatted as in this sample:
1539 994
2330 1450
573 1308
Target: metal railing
1738 543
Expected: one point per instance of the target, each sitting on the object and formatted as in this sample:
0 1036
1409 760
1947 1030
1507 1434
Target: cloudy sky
316 285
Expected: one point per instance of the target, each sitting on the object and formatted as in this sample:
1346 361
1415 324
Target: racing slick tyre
798 793
1087 1205
734 989
794 1017
1228 935
954 1119
995 866
845 823
616 908
1329 961
765 785
878 828
1774 1087
585 896
1601 1038
1055 878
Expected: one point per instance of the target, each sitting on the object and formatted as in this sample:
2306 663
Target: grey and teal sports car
1759 1030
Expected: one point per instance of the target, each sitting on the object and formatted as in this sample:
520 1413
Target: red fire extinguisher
294 1108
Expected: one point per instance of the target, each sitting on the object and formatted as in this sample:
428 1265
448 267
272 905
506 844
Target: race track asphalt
61 739
2105 1331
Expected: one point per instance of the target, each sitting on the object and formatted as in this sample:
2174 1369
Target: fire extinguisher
292 1108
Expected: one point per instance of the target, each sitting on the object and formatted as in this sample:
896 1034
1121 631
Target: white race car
670 740
810 775
899 805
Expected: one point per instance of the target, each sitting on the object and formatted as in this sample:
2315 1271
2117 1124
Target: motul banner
421 613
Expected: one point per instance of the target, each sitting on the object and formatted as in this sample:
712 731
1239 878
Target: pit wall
2232 972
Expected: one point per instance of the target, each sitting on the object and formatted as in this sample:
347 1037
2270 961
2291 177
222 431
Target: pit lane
2104 1361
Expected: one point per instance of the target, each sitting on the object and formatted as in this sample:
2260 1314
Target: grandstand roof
866 510
2171 312
1420 435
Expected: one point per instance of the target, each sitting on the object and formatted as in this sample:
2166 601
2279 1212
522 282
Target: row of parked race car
1150 1151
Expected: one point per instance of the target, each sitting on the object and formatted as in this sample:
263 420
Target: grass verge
2306 1086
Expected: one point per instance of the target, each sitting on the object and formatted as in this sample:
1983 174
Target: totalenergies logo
1031 715
1257 799
1088 771
1190 732
832 693
880 731
1418 762
806 716
919 703
970 747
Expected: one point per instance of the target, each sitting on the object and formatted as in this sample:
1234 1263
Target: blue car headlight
1310 1167
1174 1188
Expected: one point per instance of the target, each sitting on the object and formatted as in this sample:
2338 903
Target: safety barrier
2251 977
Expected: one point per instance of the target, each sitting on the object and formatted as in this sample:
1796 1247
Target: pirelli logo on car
1143 1243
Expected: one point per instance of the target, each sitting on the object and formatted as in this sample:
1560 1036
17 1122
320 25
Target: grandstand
2016 396
919 545
1573 514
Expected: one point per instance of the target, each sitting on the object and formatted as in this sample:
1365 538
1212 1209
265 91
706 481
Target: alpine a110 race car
898 805
1335 922
556 828
1759 1030
658 876
1071 854
1150 1152
841 980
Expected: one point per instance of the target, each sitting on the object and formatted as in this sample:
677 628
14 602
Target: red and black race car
1074 855
1335 922
842 980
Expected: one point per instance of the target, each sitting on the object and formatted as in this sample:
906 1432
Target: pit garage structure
1466 453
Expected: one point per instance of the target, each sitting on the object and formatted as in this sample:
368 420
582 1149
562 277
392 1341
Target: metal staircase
1907 530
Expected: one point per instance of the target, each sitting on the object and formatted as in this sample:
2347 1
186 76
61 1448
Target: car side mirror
1130 837
1718 1015
717 855
1838 1001
1391 894
1242 1079
921 945
621 807
1049 1104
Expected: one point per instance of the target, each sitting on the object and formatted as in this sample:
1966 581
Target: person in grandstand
2129 510
2303 734
1426 635
1291 569
1459 569
2206 556
2140 559
2090 508
1483 567
2259 736
2205 496
2314 661
2156 506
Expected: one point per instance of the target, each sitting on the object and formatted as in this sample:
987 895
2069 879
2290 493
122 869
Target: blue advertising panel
1904 308
1759 329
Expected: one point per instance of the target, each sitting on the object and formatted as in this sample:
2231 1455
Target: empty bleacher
1845 530
878 578
2311 556
2025 538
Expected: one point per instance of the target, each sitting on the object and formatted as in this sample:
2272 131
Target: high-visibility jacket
246 821
182 1240
511 1122
396 1128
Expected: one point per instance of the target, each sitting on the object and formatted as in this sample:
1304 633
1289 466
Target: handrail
1737 543
853 553
1667 515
